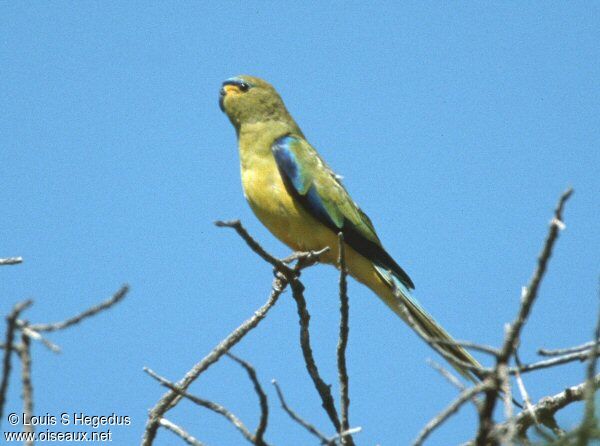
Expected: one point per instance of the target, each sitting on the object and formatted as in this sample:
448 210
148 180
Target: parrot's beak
226 89
222 94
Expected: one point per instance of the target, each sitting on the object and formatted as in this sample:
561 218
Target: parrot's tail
407 307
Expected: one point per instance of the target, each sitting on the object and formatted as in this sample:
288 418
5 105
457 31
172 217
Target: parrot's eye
244 87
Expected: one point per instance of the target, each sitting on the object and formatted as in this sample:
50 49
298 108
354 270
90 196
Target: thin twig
254 245
11 321
180 432
322 388
564 351
211 405
447 374
262 398
589 418
347 433
343 340
506 389
545 409
117 297
531 292
514 330
283 275
26 330
11 261
522 388
451 409
27 386
298 419
170 398
453 380
547 363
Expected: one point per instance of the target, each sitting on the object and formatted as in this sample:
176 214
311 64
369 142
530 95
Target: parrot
303 203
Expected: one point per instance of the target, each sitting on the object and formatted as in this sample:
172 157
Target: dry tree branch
11 261
116 298
255 246
297 418
564 351
8 350
284 275
262 397
545 409
28 333
452 379
180 432
523 389
27 386
32 334
343 340
170 399
547 363
323 389
451 409
506 393
514 330
449 376
210 405
589 389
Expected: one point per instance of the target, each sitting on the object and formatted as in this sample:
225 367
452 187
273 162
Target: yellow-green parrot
303 203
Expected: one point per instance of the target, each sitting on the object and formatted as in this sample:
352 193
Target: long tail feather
407 307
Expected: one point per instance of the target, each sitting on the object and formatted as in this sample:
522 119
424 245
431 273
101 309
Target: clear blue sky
456 127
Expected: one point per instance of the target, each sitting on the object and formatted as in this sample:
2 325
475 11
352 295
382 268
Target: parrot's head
248 99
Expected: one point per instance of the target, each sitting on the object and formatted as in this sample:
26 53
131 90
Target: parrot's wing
318 190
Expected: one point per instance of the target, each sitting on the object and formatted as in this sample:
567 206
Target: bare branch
254 245
297 418
453 380
343 340
546 408
522 389
26 330
447 374
27 386
323 389
506 389
11 321
589 390
344 434
171 398
532 289
451 409
547 363
117 297
283 276
177 430
564 351
305 259
514 330
11 261
262 397
211 405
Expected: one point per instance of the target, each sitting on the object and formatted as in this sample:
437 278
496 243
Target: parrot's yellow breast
286 219
270 200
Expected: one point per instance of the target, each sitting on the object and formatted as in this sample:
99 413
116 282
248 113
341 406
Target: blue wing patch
300 181
287 162
299 184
